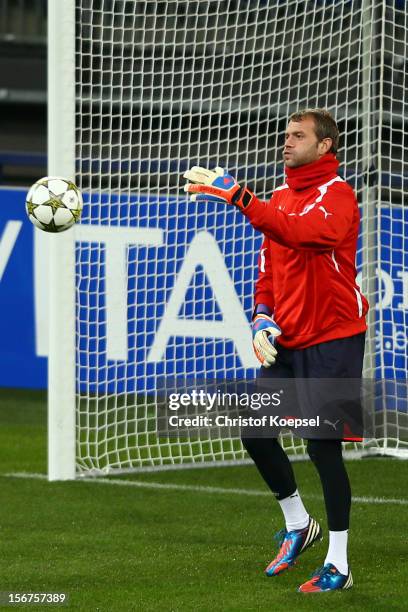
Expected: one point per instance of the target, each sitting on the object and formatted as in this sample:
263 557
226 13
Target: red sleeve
264 285
321 225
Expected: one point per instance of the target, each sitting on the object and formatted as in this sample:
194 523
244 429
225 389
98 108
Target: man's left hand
264 334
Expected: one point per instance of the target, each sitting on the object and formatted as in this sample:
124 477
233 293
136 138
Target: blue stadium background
20 366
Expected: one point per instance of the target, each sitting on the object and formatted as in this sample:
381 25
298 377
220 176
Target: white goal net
163 287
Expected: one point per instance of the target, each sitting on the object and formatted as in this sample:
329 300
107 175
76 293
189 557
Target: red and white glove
215 186
264 333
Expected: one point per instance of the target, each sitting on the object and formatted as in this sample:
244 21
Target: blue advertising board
19 364
182 274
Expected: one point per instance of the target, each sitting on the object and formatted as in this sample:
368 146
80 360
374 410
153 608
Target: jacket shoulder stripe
323 190
284 186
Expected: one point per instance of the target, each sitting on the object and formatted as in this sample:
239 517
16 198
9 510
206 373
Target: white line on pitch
141 484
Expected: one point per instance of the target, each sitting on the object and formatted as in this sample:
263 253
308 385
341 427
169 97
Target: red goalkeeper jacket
307 273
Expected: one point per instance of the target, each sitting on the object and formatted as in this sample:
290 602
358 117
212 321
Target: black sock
327 457
273 465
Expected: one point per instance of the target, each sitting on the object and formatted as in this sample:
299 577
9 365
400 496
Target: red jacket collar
314 174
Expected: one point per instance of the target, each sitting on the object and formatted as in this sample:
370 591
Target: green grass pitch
143 547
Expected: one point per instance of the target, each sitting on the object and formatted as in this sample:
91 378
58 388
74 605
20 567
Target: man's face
301 143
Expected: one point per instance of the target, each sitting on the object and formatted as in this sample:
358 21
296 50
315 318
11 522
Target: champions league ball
54 204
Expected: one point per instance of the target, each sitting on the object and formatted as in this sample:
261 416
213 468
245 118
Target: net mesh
165 287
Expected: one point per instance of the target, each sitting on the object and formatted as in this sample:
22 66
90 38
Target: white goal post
149 286
61 248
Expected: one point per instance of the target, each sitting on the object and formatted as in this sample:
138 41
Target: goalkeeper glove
264 333
216 186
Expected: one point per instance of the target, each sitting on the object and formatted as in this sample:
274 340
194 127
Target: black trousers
341 358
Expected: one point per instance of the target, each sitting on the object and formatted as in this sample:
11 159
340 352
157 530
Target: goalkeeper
308 320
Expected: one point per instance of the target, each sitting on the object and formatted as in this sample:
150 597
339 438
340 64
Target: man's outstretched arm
322 224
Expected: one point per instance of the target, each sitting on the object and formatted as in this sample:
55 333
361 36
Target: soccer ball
54 204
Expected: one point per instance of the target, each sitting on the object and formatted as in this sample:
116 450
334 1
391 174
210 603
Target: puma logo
327 422
324 211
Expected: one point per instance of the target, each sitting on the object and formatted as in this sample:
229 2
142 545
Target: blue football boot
327 578
292 544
